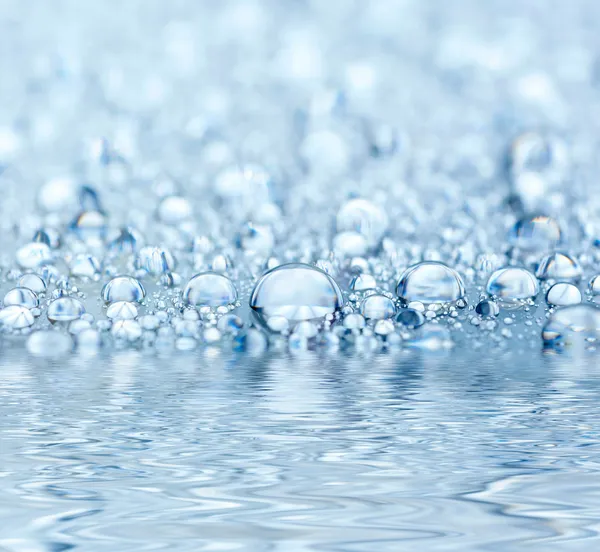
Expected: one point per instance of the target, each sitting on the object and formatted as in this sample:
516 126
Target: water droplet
58 194
572 325
377 307
32 282
487 309
430 282
65 309
410 318
535 233
126 240
563 295
296 292
559 266
364 217
122 310
350 244
34 254
16 317
84 265
594 285
363 282
21 296
512 286
230 324
155 260
90 225
123 288
210 289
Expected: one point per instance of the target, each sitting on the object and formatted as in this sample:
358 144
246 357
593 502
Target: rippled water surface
218 452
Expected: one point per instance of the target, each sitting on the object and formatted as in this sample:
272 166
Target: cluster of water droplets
248 179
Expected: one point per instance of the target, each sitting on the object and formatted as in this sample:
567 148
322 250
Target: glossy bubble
16 317
65 309
563 295
123 288
296 292
209 289
377 307
572 325
430 282
21 296
535 233
559 266
512 285
364 217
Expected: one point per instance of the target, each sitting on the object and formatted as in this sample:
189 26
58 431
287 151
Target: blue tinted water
217 452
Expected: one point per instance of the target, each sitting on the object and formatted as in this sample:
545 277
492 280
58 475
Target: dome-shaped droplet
377 307
210 289
410 318
512 285
155 260
364 217
363 282
46 343
350 244
487 309
430 282
122 310
16 317
296 292
594 285
559 266
90 225
34 254
21 296
563 295
535 233
65 309
123 288
84 265
571 325
33 282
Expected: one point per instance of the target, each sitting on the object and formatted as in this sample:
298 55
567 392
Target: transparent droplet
410 318
122 310
430 282
377 307
350 244
296 292
364 217
363 282
210 289
155 260
34 254
84 266
123 288
563 295
512 285
127 240
33 282
535 233
16 317
572 325
65 309
487 309
256 239
594 285
559 266
21 296
90 225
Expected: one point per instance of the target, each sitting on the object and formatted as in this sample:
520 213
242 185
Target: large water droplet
210 289
16 317
21 296
559 266
572 325
65 309
535 233
364 217
512 285
377 307
296 292
563 295
123 288
430 282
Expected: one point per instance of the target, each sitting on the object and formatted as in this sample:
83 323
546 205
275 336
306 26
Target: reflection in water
226 452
